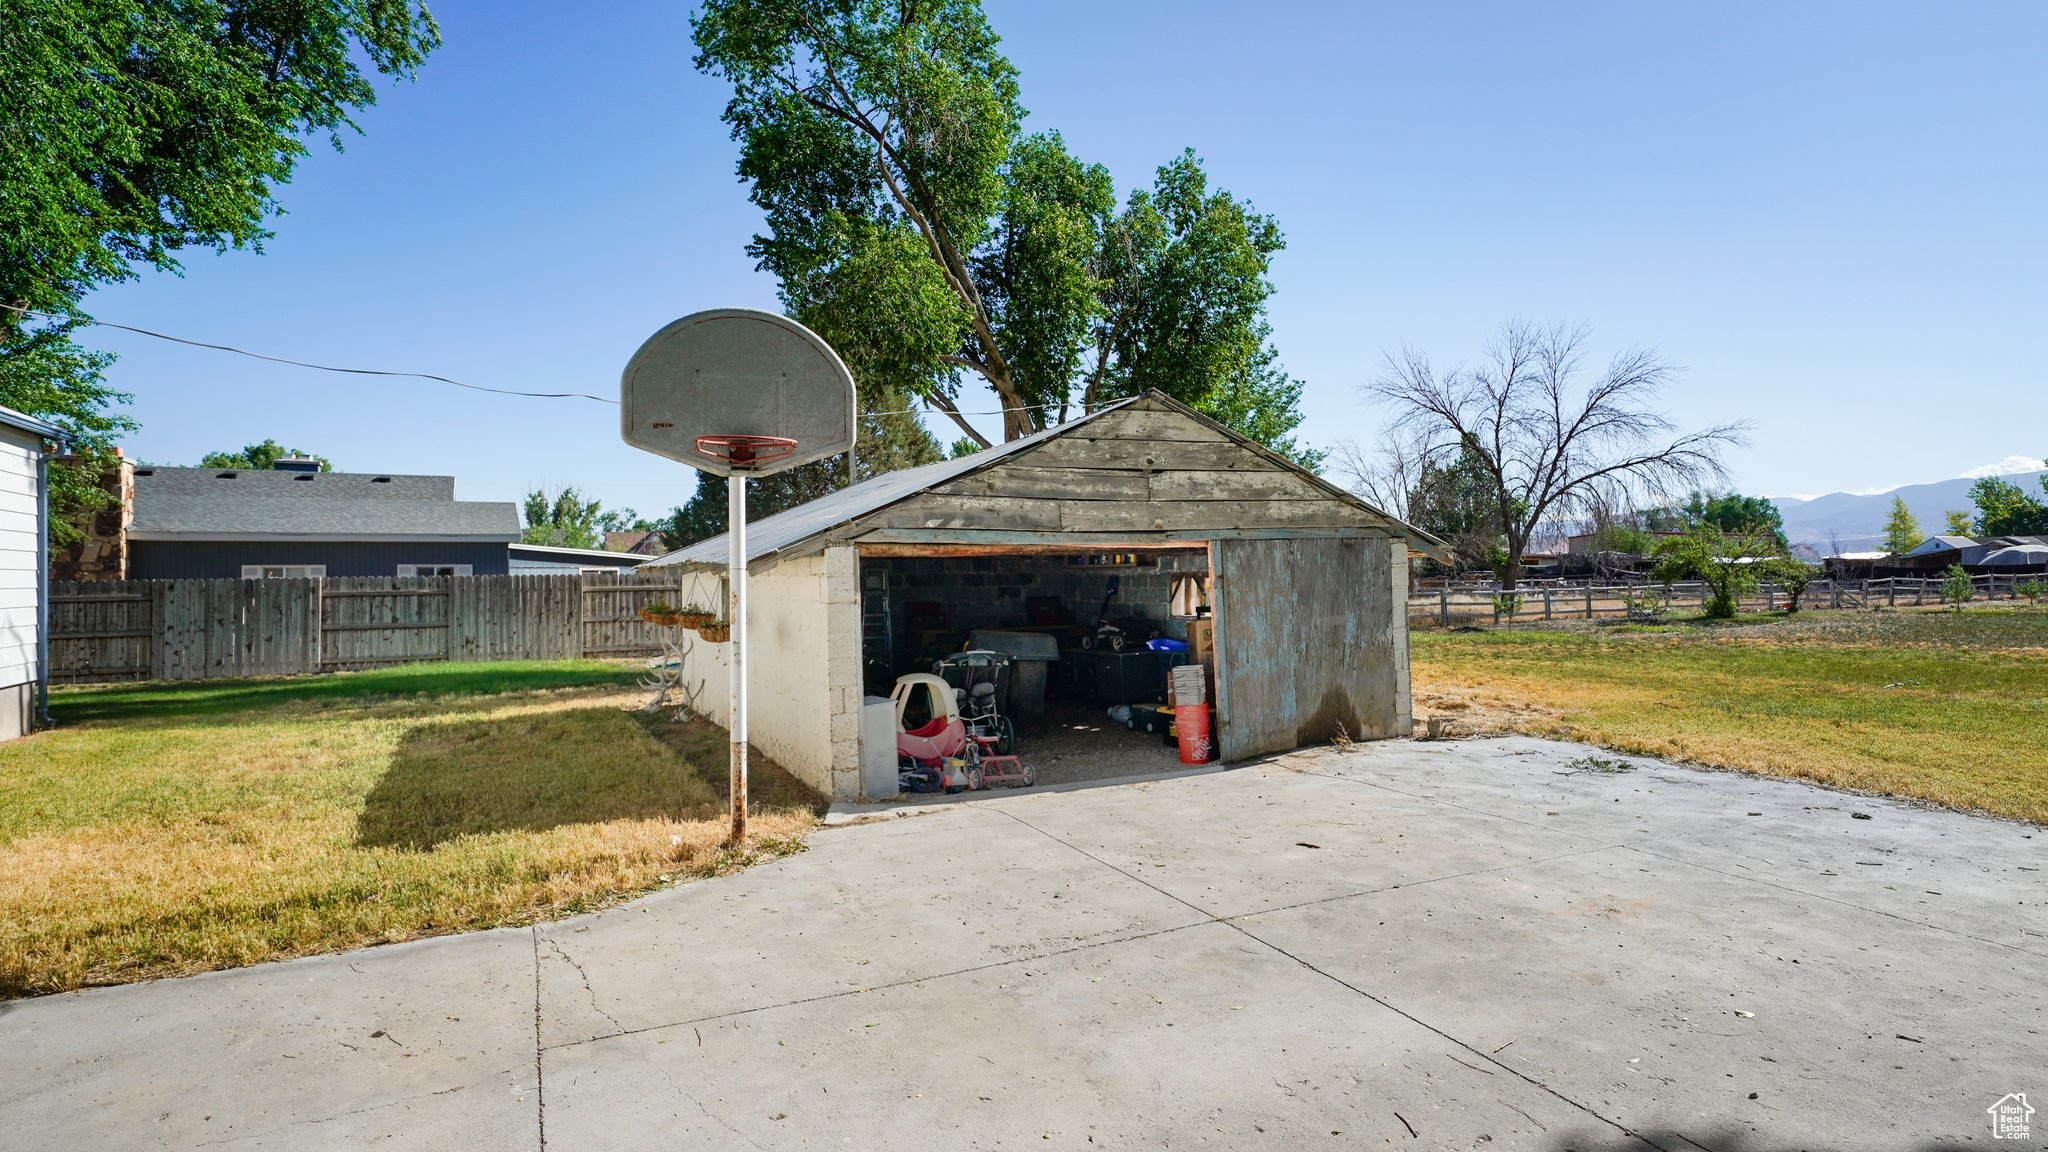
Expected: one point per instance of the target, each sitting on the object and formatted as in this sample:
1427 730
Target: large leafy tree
563 519
2005 509
132 130
1729 512
917 227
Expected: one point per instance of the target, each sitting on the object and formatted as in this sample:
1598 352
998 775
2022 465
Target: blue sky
1829 214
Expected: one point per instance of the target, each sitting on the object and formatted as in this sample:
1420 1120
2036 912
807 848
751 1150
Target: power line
432 376
306 364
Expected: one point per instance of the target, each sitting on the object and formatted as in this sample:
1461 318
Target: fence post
1589 600
1546 603
1443 599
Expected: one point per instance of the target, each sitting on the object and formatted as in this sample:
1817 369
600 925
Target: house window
283 571
433 569
1190 595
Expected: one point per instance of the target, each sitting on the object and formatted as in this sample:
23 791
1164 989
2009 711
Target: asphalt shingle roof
315 505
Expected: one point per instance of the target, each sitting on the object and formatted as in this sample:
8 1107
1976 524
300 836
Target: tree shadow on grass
542 770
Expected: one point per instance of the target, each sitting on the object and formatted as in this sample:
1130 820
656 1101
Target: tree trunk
1511 569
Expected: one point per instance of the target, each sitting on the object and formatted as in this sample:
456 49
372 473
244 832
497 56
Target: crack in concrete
376 1107
540 1098
585 976
903 983
1836 900
714 1117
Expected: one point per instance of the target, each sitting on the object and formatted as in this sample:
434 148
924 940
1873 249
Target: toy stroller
979 679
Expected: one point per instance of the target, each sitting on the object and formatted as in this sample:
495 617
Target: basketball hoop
745 453
736 393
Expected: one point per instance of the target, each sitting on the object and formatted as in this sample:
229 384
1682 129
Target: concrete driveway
1475 945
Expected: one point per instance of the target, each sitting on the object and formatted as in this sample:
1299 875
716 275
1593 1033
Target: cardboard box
1202 642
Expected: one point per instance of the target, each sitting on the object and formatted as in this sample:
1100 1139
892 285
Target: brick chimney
101 552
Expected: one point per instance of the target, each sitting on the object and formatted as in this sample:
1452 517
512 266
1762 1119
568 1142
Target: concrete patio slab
1194 1037
1254 849
1487 944
427 1045
863 907
1659 994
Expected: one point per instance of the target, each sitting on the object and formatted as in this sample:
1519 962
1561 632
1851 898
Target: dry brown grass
1950 717
200 834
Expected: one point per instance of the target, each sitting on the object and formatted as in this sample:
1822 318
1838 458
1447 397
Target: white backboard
736 372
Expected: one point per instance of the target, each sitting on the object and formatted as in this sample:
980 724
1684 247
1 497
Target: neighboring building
24 570
638 543
1581 543
295 520
1306 584
1852 565
546 559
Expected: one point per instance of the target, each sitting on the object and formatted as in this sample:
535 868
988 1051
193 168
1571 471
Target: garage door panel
1306 642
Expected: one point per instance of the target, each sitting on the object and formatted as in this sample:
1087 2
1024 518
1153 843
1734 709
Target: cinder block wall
803 667
989 591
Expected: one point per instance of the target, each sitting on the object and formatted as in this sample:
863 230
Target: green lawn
1947 707
171 828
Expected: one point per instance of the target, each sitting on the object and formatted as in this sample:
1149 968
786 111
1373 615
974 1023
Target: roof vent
145 471
303 476
381 480
295 464
225 475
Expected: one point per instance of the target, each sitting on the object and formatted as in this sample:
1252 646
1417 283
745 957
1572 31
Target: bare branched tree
1551 446
1385 475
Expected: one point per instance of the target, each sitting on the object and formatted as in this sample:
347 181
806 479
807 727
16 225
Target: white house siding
803 665
20 535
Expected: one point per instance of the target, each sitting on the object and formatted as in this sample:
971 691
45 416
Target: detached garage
1292 591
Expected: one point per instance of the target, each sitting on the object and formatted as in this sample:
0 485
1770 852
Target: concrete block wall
803 634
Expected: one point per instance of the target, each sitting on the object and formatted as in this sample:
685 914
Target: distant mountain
1858 521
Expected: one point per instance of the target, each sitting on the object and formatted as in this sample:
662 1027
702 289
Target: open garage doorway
1085 687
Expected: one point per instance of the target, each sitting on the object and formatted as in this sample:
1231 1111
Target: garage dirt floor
1488 944
1074 743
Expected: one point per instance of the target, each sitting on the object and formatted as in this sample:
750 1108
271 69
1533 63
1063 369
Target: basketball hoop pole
736 613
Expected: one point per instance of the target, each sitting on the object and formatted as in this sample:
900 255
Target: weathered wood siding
1137 473
1309 642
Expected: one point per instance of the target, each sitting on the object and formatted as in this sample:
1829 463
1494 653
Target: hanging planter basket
715 631
688 616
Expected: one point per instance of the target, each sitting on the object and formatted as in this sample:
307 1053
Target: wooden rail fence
1468 604
211 629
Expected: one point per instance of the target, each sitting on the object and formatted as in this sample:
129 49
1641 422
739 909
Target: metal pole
736 616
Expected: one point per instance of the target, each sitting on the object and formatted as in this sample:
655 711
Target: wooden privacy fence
210 629
1475 604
